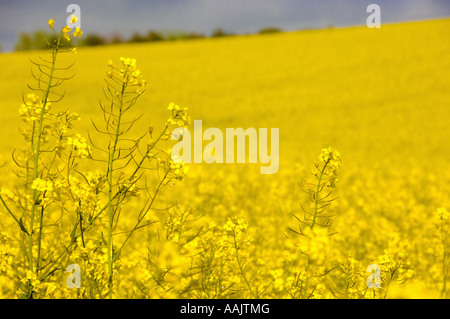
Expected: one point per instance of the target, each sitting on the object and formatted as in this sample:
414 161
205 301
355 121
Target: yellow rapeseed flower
74 19
78 33
42 185
66 31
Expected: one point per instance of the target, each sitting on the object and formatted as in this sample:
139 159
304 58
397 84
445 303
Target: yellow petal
77 33
73 19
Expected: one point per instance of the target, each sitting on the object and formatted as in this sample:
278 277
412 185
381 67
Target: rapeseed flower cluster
127 73
179 115
66 30
79 146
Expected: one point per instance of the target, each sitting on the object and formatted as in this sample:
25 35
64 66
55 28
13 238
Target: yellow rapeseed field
93 206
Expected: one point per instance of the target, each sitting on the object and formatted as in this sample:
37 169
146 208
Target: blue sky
239 16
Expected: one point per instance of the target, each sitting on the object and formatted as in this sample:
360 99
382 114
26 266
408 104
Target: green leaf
22 226
72 234
117 255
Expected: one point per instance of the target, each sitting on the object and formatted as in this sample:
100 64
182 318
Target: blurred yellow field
378 97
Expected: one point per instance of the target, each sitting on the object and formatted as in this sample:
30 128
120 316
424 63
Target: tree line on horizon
40 40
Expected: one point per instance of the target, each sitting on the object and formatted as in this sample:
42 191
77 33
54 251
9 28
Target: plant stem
308 266
444 267
389 283
317 194
346 283
110 197
316 198
241 268
36 158
41 218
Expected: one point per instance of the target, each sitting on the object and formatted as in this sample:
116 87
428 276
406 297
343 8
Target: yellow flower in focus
74 19
80 146
78 33
66 31
50 23
42 185
179 116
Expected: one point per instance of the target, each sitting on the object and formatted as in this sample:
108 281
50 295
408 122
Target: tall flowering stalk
55 188
236 228
319 186
124 86
36 113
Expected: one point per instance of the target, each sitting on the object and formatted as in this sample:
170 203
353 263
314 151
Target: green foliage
93 40
154 36
39 40
269 30
181 35
137 38
219 32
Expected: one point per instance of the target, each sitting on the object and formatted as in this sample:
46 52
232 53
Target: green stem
346 283
444 267
389 283
316 198
110 196
41 218
241 268
36 157
317 193
308 266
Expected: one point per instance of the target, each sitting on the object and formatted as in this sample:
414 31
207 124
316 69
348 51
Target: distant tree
92 40
176 35
116 39
24 43
219 32
136 38
267 30
39 40
182 35
194 35
154 36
